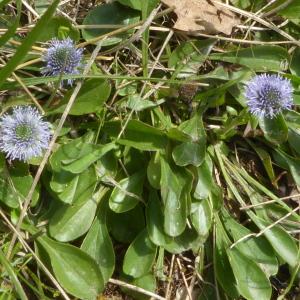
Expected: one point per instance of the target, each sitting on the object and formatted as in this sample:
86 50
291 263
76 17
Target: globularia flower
62 58
268 95
23 134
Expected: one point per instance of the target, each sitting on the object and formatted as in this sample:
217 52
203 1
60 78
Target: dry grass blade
259 20
135 288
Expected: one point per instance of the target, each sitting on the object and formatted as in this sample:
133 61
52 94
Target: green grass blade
28 42
9 269
11 30
42 80
3 3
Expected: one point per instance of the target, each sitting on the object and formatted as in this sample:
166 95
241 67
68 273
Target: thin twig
28 92
170 277
196 273
245 237
135 288
259 20
269 202
30 9
184 279
120 30
118 186
265 229
137 34
26 89
242 41
278 221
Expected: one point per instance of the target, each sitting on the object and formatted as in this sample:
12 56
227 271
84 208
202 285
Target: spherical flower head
23 134
268 95
62 58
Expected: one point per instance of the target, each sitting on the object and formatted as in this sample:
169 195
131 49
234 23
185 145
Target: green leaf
292 164
70 187
256 249
31 38
65 185
75 270
23 184
14 189
107 167
91 97
155 226
54 26
188 57
215 95
153 171
257 58
294 138
147 282
275 130
265 157
136 103
201 217
222 266
138 135
15 183
292 11
69 222
205 182
189 153
98 244
8 195
251 281
140 256
175 203
71 151
294 66
155 220
243 4
81 164
281 241
120 199
121 226
109 14
137 4
192 152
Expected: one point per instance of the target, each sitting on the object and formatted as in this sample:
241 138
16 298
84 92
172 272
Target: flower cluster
268 95
23 134
62 58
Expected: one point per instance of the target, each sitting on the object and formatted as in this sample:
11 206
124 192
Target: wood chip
201 16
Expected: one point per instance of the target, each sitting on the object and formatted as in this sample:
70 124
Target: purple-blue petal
268 95
37 139
62 58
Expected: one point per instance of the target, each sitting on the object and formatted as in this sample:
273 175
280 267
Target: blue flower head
62 57
23 134
268 95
